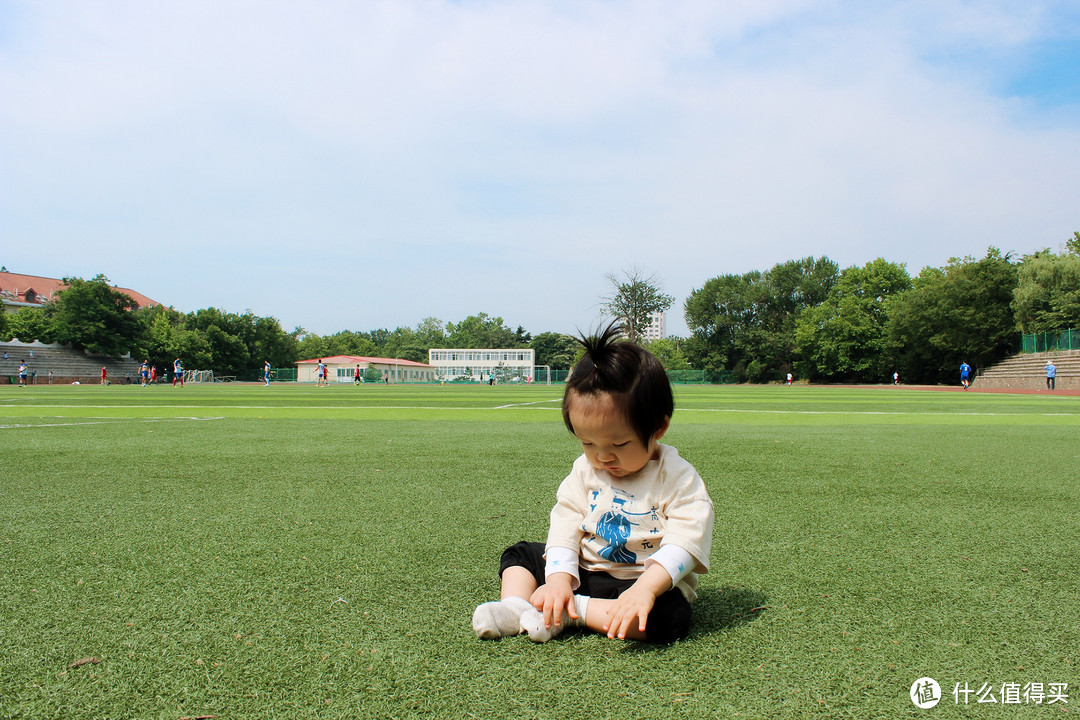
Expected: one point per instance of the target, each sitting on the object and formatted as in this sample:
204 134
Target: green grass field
292 552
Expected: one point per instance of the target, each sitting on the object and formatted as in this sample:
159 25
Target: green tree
959 313
404 343
669 352
1072 245
844 337
267 340
311 346
431 332
555 350
5 327
1047 295
480 331
745 324
30 324
634 298
349 343
91 315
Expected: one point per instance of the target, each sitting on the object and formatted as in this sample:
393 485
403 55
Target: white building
340 368
657 329
507 364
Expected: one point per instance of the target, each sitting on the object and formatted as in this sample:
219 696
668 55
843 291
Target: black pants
669 619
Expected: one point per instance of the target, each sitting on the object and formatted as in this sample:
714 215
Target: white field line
104 421
526 405
873 412
534 406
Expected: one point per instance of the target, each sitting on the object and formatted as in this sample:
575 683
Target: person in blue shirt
965 372
1051 374
266 373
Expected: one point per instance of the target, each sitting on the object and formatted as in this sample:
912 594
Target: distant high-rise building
657 329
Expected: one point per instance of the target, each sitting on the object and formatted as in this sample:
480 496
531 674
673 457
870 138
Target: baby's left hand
635 602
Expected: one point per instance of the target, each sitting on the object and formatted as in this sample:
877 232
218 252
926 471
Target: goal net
198 376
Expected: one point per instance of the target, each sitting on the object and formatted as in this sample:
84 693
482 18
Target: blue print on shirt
614 528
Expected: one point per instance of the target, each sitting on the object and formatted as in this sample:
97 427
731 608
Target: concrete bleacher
1027 371
67 365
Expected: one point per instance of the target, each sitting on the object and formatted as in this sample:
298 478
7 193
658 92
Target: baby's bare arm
637 601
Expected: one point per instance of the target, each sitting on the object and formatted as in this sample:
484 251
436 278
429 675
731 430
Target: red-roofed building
340 368
19 291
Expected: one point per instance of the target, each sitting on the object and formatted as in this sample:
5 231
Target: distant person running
266 373
1051 375
896 378
789 379
153 374
356 378
320 374
965 373
178 373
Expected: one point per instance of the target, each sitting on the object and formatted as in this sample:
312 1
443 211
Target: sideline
105 421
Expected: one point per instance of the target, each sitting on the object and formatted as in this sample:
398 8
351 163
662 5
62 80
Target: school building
507 364
18 291
340 368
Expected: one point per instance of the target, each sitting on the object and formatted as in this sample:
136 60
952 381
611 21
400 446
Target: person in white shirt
632 525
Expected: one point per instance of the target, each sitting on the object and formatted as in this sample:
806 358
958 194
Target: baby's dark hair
629 373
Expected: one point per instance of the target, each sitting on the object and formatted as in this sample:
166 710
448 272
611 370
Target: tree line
864 323
805 316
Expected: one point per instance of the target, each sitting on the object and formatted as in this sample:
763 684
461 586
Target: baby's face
609 441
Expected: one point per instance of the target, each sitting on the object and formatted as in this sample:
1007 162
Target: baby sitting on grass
632 525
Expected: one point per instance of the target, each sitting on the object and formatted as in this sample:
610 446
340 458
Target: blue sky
357 165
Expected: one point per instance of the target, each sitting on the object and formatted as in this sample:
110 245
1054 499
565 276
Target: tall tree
959 313
92 315
29 324
1047 296
431 332
1072 245
555 350
480 331
844 338
745 324
634 298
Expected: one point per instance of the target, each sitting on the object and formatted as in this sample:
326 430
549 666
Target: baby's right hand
554 597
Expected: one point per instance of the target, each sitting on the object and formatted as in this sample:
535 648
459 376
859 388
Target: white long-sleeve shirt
615 525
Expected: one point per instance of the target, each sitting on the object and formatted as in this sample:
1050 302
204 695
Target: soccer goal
541 374
198 376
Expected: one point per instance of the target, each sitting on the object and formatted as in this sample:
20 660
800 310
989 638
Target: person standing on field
178 373
1051 375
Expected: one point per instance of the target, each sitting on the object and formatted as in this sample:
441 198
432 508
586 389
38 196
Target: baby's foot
500 619
533 623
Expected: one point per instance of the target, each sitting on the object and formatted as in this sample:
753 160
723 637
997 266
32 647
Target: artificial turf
293 552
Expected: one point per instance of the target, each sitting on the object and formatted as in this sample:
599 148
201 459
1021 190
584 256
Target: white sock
533 623
500 619
581 604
